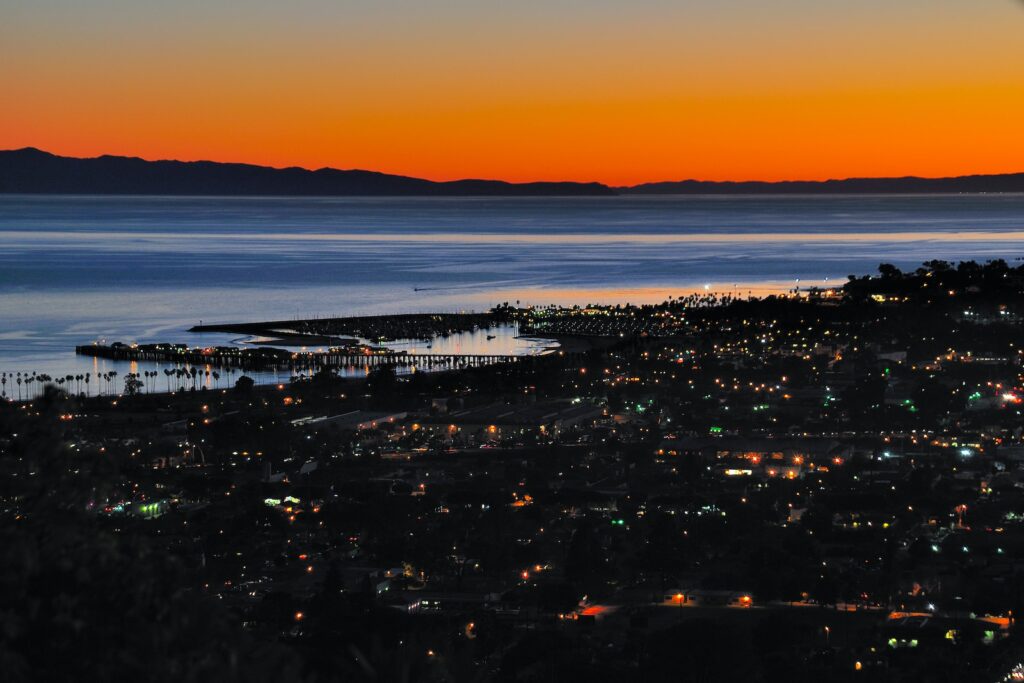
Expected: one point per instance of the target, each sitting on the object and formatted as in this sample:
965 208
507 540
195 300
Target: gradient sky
608 90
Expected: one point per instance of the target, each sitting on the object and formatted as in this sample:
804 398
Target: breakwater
375 327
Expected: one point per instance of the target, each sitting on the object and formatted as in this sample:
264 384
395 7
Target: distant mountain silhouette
908 185
33 171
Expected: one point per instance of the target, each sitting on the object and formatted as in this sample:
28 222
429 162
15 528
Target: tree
132 384
889 271
382 384
585 560
244 384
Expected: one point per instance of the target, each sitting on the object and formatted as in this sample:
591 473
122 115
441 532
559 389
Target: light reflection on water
500 340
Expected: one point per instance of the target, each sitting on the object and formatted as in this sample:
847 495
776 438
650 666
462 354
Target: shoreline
64 361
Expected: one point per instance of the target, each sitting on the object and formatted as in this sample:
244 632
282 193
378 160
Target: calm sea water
77 269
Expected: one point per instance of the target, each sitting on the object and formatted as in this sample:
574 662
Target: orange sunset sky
619 92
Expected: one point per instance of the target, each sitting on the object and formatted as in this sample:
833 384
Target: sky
614 91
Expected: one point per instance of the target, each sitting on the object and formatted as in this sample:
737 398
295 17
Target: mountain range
33 171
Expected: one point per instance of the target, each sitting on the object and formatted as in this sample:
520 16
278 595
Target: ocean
76 269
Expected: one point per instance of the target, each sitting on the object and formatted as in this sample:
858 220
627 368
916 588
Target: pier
277 359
